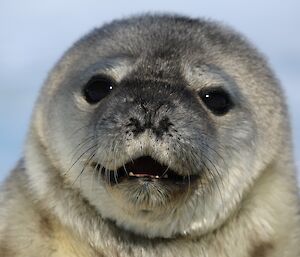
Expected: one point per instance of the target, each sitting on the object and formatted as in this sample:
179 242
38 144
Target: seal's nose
137 127
152 105
149 121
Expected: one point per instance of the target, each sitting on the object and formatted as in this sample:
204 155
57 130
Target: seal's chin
144 168
145 186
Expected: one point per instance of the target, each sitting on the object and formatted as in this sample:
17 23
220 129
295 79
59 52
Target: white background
34 34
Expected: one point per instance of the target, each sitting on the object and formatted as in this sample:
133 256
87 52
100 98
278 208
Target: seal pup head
157 122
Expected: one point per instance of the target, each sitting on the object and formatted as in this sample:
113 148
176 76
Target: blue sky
34 34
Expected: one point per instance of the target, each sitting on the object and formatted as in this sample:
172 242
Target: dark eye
97 88
217 100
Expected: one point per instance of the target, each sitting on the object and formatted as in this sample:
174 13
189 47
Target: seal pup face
151 119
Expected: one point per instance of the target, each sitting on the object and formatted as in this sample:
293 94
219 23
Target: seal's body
156 136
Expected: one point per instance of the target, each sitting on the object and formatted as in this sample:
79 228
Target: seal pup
156 135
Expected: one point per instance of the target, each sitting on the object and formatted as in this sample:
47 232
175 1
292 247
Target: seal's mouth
145 168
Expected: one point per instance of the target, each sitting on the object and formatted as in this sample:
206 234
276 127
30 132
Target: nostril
163 126
136 125
165 123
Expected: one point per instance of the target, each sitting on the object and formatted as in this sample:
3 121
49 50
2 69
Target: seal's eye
97 88
217 100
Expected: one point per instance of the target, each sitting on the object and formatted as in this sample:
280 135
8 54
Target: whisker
85 165
165 172
79 159
79 146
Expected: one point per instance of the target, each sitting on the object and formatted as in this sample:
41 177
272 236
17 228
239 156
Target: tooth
156 176
131 174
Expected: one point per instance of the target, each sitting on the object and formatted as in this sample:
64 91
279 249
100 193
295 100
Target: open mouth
145 168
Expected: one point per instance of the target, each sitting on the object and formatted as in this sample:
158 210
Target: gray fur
245 202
